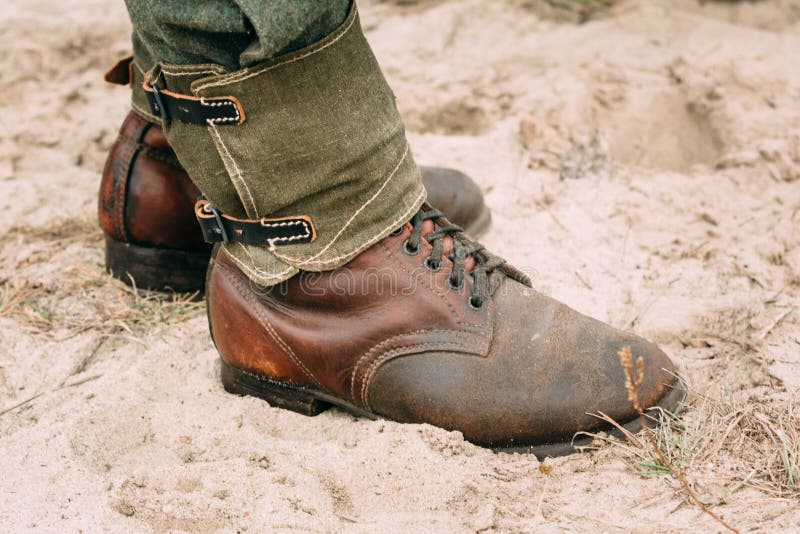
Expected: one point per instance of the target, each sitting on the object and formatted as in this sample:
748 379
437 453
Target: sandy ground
643 166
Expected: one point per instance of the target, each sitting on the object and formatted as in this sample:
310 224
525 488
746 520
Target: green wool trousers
317 133
231 33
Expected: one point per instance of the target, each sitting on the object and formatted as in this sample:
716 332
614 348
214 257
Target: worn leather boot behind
146 210
427 327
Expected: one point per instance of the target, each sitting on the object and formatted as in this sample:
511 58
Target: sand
642 165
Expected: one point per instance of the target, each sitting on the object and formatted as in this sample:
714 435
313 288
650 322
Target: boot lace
488 270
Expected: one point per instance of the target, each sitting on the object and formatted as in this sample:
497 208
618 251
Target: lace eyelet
452 285
398 231
475 305
433 266
411 251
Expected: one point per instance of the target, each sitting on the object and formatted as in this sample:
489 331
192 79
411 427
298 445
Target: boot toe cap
527 393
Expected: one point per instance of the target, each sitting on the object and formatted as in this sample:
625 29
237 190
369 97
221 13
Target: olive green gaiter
321 137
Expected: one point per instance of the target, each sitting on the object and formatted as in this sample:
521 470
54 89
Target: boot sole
156 269
310 402
166 269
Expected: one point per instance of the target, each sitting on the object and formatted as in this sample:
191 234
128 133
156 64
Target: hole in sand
453 118
660 130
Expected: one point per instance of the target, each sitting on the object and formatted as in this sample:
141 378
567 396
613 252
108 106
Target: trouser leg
231 33
315 133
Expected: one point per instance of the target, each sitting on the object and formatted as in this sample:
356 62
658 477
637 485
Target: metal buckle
159 104
220 229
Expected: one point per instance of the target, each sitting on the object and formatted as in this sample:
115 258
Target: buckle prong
160 107
220 229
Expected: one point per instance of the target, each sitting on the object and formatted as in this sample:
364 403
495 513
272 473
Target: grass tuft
722 440
53 282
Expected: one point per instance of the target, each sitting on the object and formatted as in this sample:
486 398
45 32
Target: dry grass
723 444
634 377
740 443
52 282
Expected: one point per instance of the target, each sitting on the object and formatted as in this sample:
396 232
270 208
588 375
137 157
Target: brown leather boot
427 327
146 210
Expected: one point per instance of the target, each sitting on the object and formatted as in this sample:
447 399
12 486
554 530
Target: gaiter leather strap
219 110
260 232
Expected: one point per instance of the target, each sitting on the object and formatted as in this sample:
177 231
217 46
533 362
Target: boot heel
157 269
276 394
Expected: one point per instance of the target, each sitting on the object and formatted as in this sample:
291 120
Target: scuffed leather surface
548 369
524 369
332 330
113 185
146 198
